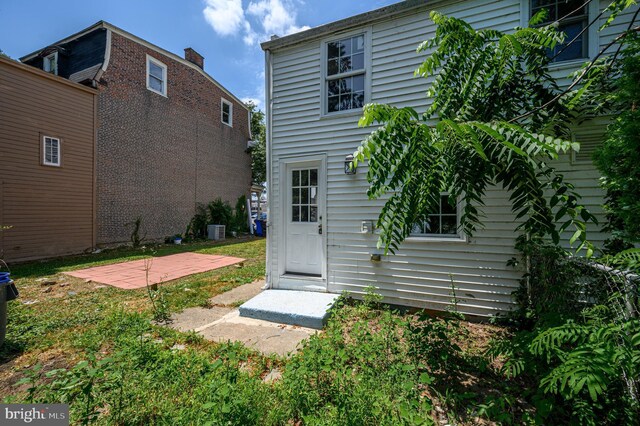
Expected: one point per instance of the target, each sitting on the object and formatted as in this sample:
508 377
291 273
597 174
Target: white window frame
164 75
224 102
593 34
457 237
44 151
47 61
324 77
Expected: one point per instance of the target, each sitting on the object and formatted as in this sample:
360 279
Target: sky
226 32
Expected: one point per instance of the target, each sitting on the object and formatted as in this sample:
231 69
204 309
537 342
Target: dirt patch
13 371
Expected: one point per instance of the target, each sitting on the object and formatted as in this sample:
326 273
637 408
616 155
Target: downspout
105 61
268 95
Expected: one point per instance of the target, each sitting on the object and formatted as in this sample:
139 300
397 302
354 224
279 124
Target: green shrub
581 346
197 227
358 372
221 213
618 159
241 216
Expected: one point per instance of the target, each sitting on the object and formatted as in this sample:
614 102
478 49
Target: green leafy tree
618 159
474 135
259 150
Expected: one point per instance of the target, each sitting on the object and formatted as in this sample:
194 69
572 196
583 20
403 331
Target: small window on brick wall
50 151
156 76
227 112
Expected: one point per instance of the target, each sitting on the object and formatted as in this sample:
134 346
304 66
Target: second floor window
227 112
50 63
574 18
156 76
345 74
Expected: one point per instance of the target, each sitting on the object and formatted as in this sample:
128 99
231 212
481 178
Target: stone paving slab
264 336
132 275
239 294
194 318
223 323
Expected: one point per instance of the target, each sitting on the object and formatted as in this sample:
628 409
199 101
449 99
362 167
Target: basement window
156 76
50 151
227 112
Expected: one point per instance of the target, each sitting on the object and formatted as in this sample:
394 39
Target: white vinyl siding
50 151
156 76
420 273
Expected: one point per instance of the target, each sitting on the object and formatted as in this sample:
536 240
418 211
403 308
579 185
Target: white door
304 212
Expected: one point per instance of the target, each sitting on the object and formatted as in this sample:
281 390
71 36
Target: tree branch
585 29
579 78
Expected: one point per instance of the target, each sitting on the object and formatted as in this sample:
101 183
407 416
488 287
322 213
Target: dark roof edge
99 24
47 75
175 57
343 24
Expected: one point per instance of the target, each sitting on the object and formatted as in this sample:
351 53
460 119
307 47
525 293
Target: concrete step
303 308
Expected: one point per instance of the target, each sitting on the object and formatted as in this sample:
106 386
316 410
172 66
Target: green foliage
241 216
259 150
555 286
221 213
467 140
618 159
362 375
581 344
136 238
197 227
218 212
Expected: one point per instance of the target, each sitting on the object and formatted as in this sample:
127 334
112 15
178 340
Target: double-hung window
50 151
345 72
440 223
227 112
573 17
156 76
50 63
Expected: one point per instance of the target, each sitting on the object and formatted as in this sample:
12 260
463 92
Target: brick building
169 136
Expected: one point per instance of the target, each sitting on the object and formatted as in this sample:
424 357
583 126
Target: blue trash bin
261 228
8 291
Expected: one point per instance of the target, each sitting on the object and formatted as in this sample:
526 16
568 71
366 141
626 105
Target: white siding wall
420 273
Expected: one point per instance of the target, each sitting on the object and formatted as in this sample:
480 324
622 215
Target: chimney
194 57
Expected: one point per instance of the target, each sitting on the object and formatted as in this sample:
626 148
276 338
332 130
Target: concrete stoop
301 308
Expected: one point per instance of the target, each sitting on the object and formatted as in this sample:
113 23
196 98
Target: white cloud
275 16
225 16
260 19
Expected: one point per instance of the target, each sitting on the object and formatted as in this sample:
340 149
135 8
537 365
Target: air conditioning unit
215 232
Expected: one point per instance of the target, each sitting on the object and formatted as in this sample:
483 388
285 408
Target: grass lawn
96 348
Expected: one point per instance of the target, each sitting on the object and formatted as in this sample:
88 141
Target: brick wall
158 156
